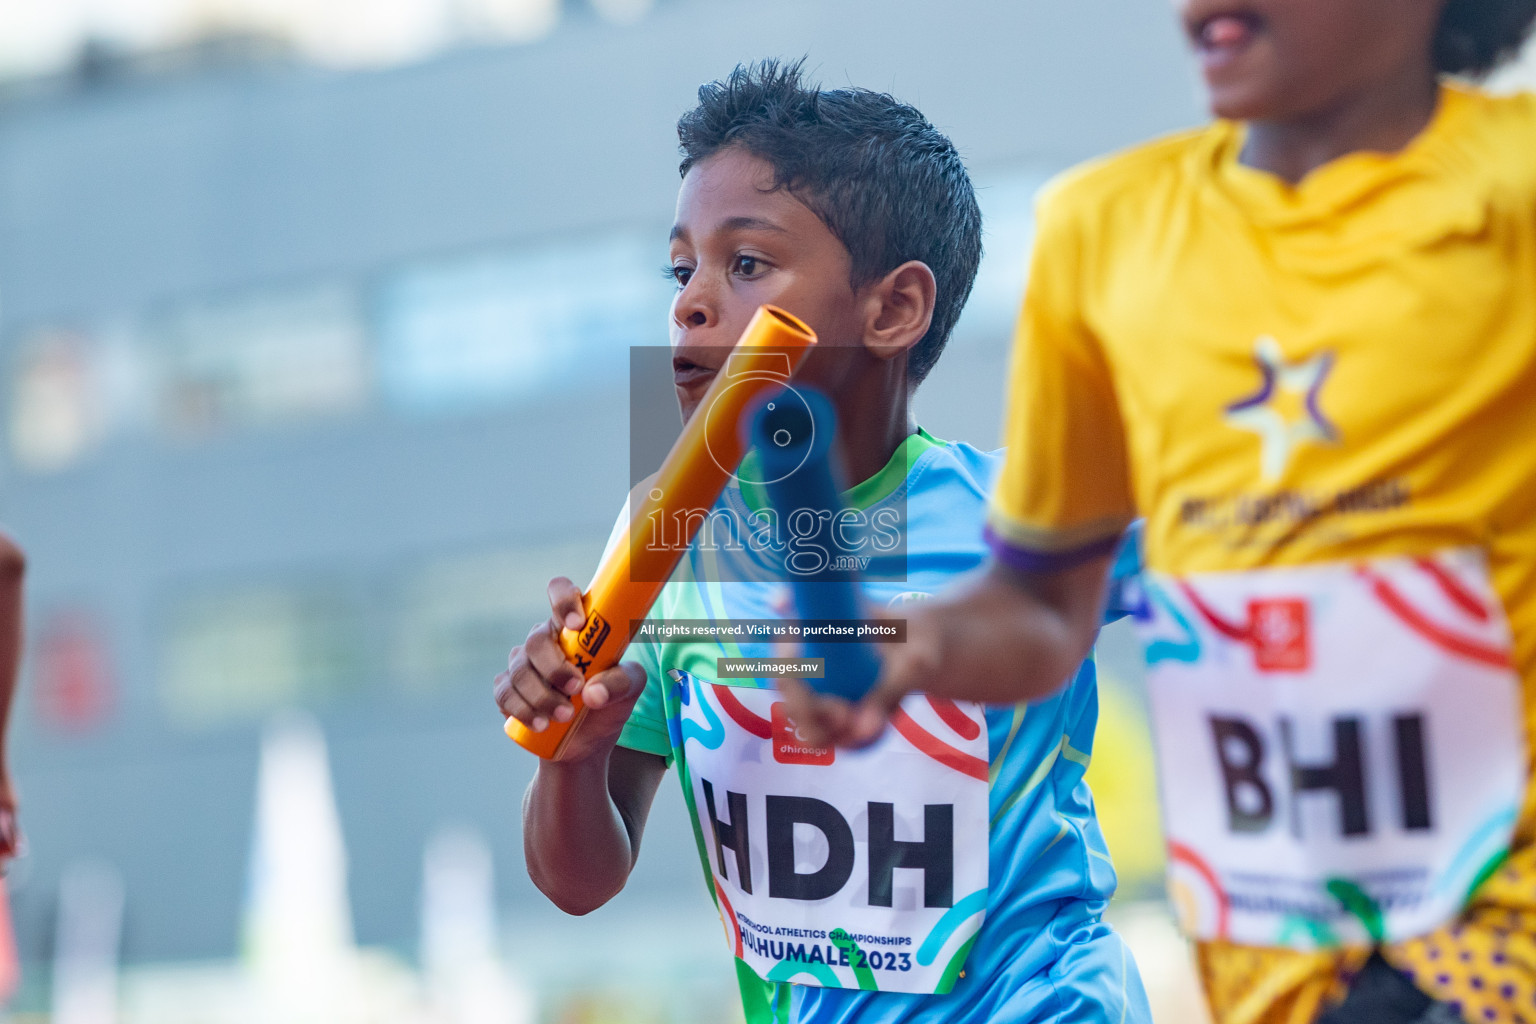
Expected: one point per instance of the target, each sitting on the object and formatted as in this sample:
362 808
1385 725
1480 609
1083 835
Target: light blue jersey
1011 934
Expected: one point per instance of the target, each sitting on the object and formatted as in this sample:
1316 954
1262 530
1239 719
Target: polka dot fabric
1483 965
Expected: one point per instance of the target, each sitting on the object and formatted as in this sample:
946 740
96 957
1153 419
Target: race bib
1341 755
857 869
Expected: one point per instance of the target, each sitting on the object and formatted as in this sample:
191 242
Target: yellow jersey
1275 375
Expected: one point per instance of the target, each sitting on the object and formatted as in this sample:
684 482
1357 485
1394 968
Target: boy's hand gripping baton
690 480
793 434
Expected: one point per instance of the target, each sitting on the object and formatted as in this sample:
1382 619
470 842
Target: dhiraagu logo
1285 411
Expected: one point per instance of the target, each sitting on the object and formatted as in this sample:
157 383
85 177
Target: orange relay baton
690 480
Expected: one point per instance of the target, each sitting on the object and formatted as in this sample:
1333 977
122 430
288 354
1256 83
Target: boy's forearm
1003 636
577 845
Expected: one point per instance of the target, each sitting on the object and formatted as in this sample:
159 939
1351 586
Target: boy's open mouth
1221 35
689 375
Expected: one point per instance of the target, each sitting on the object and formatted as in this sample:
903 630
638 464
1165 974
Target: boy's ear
900 308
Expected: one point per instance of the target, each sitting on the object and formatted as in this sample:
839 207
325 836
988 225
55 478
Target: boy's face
1278 60
737 244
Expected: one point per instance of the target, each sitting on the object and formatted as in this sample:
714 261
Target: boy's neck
871 425
1383 117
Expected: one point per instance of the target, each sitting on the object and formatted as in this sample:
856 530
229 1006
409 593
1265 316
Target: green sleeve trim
646 729
645 737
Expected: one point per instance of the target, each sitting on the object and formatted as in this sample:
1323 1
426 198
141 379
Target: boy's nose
691 308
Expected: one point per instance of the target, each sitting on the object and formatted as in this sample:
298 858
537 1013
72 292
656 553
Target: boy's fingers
819 720
536 691
898 675
869 719
511 704
514 705
794 690
565 603
614 685
547 658
800 703
835 717
8 832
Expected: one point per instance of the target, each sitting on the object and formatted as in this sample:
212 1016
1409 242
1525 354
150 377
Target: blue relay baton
792 432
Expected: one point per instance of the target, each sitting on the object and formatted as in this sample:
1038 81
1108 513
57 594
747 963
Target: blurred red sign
73 678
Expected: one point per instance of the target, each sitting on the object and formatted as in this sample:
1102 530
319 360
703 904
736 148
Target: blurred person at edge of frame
1300 343
13 568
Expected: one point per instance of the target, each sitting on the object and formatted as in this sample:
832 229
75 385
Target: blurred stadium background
313 325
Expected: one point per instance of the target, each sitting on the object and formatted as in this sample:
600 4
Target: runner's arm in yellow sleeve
1018 628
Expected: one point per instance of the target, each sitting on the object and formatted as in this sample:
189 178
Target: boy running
1302 344
954 870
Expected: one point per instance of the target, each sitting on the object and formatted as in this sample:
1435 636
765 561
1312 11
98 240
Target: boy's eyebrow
736 224
753 224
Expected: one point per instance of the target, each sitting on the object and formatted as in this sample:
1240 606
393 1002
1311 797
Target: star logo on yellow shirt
1284 411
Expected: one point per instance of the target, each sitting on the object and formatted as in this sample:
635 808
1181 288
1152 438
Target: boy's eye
748 266
678 272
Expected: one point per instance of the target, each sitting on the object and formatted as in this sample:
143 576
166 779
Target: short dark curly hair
888 184
1476 36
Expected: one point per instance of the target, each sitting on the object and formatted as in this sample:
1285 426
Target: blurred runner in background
1302 344
13 567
